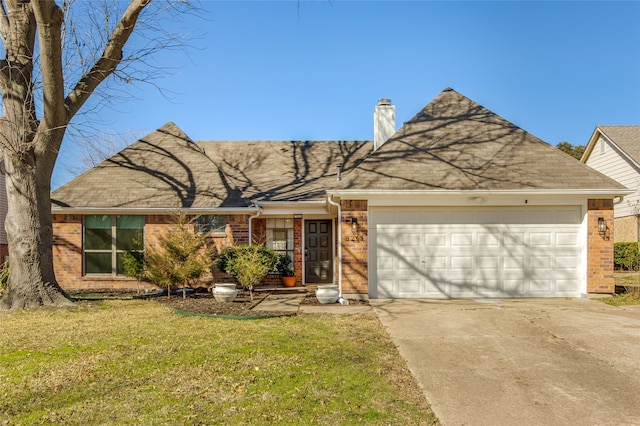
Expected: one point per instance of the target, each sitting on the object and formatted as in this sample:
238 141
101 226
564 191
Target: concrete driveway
521 361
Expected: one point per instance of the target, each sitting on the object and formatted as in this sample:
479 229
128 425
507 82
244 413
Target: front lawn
137 362
627 289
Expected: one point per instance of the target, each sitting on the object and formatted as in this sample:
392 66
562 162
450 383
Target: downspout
333 203
251 219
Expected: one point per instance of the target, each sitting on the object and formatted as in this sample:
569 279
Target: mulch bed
203 303
207 304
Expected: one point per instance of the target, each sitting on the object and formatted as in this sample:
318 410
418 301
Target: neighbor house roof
627 138
456 144
166 169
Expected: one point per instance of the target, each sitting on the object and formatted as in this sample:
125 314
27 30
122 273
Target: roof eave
505 192
151 210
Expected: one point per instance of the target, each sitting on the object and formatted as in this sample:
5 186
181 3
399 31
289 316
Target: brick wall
355 261
625 229
600 248
67 251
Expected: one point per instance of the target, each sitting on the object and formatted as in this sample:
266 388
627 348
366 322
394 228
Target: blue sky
314 70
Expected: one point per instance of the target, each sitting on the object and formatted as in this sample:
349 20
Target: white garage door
475 252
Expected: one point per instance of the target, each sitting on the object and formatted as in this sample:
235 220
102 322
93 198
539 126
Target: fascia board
364 194
151 211
590 145
292 207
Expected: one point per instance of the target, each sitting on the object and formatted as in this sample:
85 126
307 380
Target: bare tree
91 150
52 65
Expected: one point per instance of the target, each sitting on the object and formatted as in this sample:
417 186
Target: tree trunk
30 233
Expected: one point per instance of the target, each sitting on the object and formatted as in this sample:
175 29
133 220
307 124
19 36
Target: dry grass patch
117 362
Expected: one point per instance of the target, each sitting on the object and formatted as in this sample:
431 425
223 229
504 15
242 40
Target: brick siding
600 248
355 260
67 251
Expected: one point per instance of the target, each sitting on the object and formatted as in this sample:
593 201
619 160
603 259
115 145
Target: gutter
152 210
333 203
556 192
251 220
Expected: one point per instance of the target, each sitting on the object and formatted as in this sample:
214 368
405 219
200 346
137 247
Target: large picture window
107 238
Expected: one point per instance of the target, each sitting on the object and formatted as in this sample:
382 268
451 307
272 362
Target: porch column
355 253
600 248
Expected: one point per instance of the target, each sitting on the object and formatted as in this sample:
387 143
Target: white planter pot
327 293
225 292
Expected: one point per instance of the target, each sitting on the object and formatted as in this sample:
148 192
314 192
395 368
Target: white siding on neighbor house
3 209
613 163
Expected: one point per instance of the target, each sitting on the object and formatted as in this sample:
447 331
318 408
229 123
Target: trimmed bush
247 264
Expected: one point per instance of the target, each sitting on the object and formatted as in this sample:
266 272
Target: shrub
247 264
135 265
626 256
284 265
183 256
4 276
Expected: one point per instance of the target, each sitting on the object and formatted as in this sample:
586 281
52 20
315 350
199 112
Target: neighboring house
615 151
458 202
4 243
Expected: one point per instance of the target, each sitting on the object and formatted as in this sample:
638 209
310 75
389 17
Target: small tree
135 266
247 264
183 256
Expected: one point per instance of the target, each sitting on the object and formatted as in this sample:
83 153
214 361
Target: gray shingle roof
456 144
166 169
627 138
452 144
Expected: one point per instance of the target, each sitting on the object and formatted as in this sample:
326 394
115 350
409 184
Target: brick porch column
600 248
355 254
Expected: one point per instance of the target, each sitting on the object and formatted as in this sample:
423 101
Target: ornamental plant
248 264
182 257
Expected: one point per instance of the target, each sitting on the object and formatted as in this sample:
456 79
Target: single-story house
615 152
459 202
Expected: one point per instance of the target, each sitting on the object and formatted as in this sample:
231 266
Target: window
211 224
107 238
280 235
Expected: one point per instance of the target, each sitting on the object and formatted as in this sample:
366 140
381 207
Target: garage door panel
435 240
513 239
463 288
540 263
459 239
569 239
516 252
569 285
540 239
488 262
488 240
567 262
540 286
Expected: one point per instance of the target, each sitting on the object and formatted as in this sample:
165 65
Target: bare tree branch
110 59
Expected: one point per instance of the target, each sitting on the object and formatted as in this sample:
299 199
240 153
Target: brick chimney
384 122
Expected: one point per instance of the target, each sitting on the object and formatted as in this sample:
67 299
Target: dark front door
318 246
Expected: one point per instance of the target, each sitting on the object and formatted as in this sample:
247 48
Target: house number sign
355 237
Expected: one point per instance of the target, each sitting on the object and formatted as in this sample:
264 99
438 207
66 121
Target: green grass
629 283
137 362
